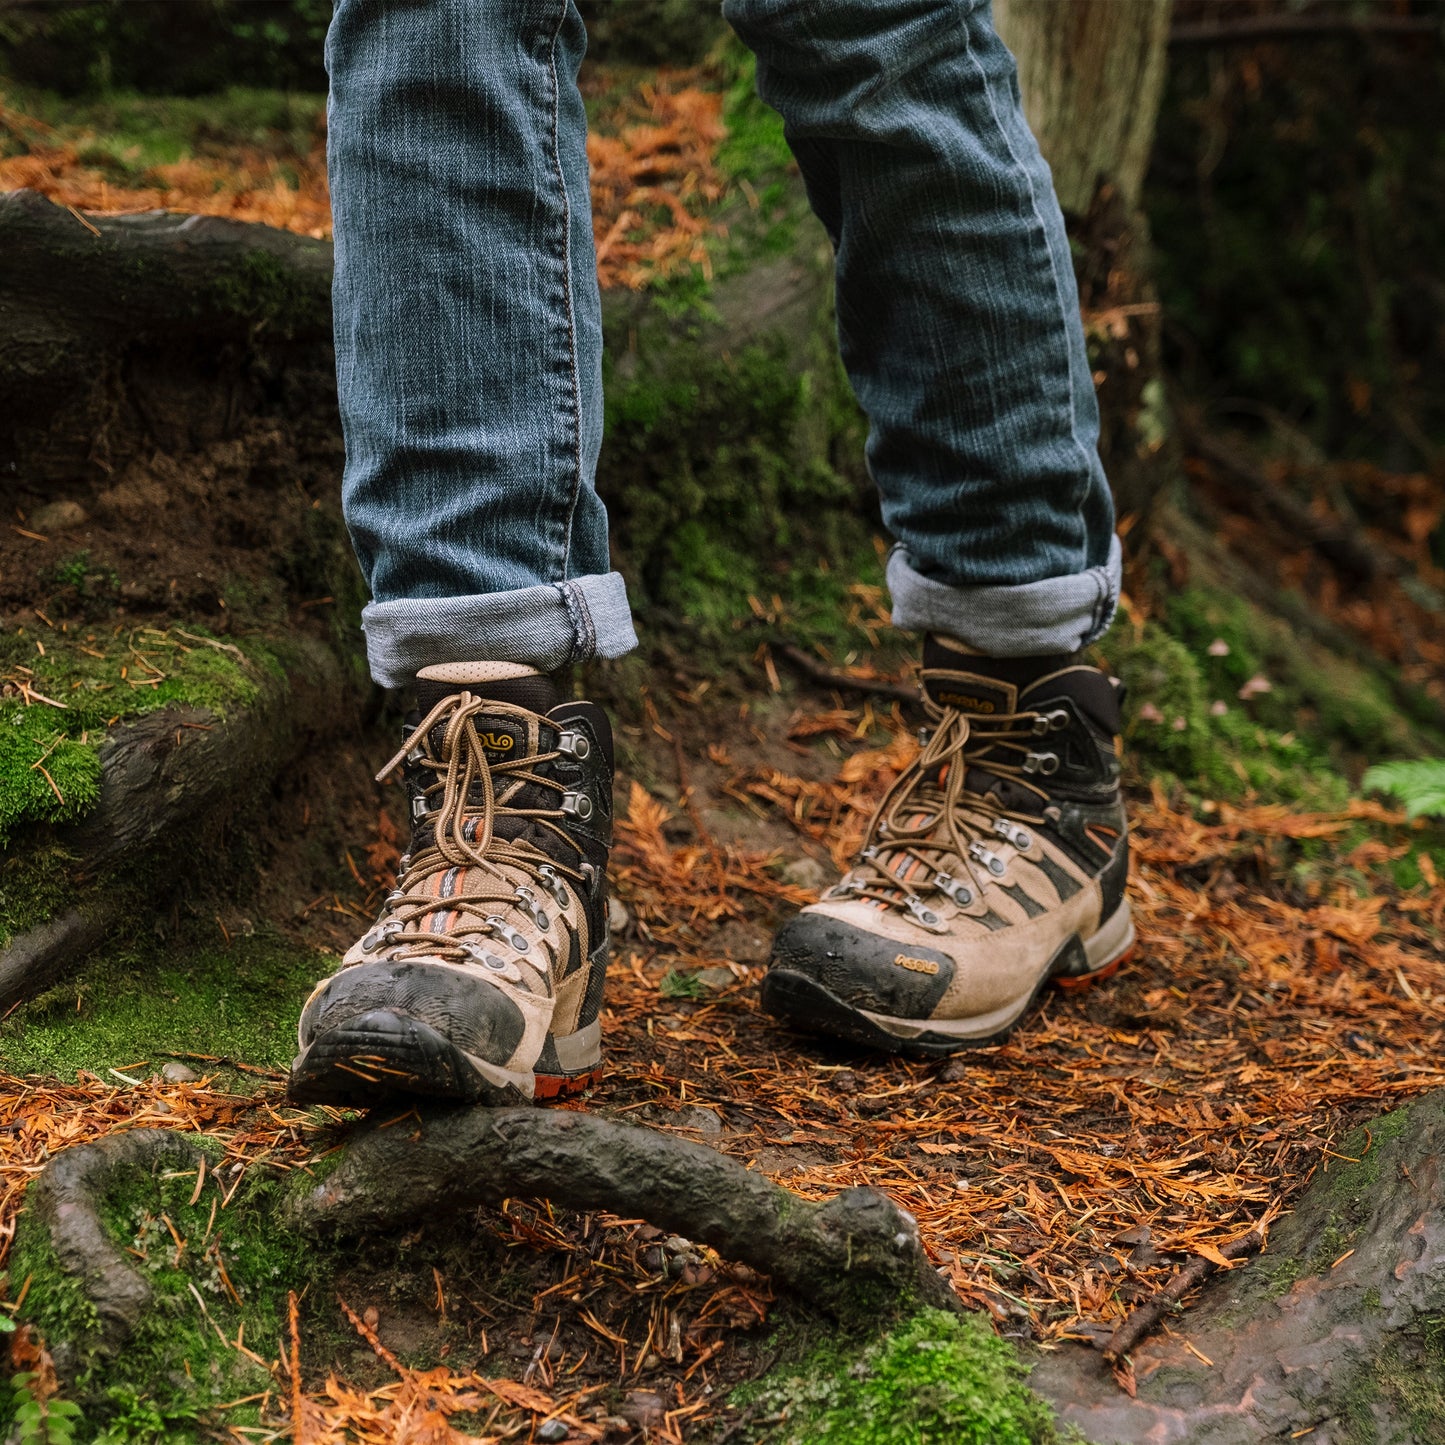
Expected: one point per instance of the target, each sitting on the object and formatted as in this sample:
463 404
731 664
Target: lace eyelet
379 937
1045 763
990 860
553 884
528 900
1021 840
575 745
951 888
577 805
923 914
498 927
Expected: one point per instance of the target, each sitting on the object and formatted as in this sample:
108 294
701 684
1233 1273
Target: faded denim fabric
469 336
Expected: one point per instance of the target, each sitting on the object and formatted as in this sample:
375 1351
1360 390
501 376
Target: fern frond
1418 784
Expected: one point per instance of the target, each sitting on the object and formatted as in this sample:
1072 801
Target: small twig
1140 1321
1307 26
845 682
298 1419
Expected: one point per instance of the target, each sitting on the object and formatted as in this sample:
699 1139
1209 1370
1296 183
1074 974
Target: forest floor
1286 987
1288 983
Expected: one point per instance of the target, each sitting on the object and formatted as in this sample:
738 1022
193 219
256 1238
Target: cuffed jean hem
545 627
1035 619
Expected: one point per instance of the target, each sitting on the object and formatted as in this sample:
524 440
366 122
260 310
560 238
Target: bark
855 1255
121 332
165 779
1330 1335
66 1199
1092 75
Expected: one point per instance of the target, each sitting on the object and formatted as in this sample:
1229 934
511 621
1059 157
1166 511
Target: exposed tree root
856 1253
66 1198
121 333
1332 1329
163 777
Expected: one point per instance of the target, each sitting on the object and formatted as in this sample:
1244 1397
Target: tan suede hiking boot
995 864
482 978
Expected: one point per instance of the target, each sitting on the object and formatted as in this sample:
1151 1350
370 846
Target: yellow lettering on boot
916 965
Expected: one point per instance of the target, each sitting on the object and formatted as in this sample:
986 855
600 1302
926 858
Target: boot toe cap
864 969
471 1013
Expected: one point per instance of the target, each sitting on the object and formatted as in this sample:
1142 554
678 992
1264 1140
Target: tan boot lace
502 876
931 834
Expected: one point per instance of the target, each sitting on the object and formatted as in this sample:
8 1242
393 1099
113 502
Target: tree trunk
1092 75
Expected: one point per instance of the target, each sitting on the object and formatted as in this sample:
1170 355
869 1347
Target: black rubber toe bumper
381 1055
379 1030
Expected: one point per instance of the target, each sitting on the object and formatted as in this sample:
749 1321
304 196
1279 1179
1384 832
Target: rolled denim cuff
545 627
1035 619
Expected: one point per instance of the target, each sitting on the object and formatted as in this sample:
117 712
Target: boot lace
933 833
503 877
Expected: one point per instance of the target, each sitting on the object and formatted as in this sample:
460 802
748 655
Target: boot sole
382 1056
1078 963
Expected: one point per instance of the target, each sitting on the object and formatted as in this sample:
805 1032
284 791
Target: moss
935 1379
100 680
34 885
717 471
1180 735
176 1367
1404 1383
237 1002
1310 691
263 287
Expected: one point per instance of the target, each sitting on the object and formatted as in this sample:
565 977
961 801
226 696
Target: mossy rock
933 1379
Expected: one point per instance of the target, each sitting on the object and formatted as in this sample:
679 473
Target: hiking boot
482 978
995 863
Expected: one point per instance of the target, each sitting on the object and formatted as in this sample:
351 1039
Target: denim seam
1087 470
556 157
585 644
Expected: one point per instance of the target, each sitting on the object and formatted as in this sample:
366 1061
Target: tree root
816 671
856 1253
163 777
66 1199
1338 1316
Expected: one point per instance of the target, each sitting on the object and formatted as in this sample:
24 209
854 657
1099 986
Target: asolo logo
497 742
916 965
968 704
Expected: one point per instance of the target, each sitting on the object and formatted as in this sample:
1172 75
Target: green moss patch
220 1270
239 1001
938 1379
50 755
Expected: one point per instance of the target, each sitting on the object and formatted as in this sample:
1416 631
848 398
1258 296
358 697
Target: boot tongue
508 682
981 686
503 737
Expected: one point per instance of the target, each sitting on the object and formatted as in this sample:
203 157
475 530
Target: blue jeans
469 338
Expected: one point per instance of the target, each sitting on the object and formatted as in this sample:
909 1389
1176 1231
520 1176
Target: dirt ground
1285 987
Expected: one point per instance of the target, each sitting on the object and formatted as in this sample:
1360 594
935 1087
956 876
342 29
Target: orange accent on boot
1084 980
549 1087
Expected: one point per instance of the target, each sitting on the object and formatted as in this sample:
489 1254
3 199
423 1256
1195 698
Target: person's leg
468 342
998 861
469 334
958 315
